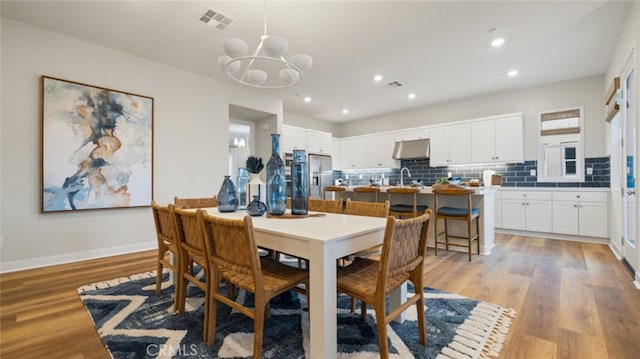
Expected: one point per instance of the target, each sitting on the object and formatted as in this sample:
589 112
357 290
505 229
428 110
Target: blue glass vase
256 208
299 183
241 181
276 184
227 196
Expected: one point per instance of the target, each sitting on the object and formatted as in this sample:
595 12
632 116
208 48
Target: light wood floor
574 300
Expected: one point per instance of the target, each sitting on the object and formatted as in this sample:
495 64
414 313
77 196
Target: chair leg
258 329
469 238
382 333
363 310
210 324
478 231
446 234
422 326
353 304
435 235
159 277
182 285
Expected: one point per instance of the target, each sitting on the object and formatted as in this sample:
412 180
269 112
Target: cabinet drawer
542 196
581 196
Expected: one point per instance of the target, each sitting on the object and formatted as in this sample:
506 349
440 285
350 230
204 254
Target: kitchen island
484 198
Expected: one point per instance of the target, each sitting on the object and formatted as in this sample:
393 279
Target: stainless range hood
415 149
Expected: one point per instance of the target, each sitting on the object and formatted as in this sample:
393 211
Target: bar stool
400 210
446 213
337 190
368 191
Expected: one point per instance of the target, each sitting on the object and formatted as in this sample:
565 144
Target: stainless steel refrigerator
320 174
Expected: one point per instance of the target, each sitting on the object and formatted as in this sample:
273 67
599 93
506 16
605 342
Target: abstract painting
97 147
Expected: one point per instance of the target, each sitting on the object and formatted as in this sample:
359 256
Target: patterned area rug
133 322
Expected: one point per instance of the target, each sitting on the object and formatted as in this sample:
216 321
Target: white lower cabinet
581 213
529 211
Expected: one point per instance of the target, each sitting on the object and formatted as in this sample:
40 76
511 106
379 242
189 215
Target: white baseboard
14 266
616 251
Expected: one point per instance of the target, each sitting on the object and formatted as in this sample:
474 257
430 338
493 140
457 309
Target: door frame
630 67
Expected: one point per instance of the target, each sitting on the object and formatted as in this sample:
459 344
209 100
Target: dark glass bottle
255 207
276 185
227 196
299 179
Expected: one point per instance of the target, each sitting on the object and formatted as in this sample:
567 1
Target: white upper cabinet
312 141
379 149
352 153
319 142
498 140
450 144
293 138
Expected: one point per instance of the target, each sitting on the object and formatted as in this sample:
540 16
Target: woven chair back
363 191
190 234
403 250
165 226
233 250
202 202
322 205
371 209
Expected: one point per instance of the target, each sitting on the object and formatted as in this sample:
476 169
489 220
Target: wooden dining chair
370 281
370 209
193 246
466 213
399 207
366 192
201 202
322 205
337 191
168 241
234 255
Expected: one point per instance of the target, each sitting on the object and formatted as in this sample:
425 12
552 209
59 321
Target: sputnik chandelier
267 66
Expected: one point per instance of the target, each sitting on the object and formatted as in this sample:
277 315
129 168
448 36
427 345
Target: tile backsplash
514 174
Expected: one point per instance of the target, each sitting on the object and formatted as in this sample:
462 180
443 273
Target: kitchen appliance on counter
320 174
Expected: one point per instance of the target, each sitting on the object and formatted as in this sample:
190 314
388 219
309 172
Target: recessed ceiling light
412 96
512 73
307 99
497 42
345 111
377 78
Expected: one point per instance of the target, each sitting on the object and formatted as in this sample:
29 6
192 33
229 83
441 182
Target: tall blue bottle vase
276 181
227 196
299 183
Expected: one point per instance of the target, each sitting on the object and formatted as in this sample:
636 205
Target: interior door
629 245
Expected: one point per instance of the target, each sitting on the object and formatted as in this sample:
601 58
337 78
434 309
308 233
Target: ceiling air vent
393 84
216 19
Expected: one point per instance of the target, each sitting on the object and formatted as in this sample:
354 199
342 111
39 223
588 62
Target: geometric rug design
133 322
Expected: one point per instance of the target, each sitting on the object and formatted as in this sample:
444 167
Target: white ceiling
438 49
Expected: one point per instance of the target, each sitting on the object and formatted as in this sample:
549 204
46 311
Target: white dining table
321 240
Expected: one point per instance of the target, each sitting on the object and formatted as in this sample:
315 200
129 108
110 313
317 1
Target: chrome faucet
401 177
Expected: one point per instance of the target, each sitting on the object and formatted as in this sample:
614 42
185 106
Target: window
561 155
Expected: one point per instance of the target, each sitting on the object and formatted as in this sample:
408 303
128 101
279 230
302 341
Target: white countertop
427 189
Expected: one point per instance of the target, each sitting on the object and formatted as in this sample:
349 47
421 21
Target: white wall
297 120
190 143
586 91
